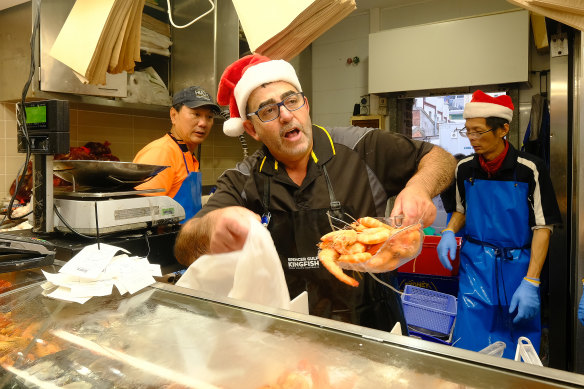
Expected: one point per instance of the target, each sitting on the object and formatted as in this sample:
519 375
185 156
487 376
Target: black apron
296 235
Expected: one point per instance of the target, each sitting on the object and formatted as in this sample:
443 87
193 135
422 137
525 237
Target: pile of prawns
368 245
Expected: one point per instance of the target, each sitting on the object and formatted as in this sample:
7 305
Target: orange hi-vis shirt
167 151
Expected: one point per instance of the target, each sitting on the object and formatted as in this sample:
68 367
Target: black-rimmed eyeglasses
473 134
270 112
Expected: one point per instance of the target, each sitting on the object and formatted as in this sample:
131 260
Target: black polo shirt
521 167
366 166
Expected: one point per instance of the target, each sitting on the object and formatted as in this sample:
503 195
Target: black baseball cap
194 97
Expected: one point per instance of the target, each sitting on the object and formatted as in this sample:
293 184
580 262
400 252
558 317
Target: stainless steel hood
58 77
199 54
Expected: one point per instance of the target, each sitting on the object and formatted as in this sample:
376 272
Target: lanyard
266 216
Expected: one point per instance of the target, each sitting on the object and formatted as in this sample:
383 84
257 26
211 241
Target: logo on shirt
302 263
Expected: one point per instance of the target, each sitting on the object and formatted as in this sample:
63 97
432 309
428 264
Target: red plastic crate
428 263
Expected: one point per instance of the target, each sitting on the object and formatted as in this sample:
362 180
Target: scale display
47 127
36 114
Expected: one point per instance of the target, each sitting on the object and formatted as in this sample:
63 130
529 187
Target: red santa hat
483 106
242 77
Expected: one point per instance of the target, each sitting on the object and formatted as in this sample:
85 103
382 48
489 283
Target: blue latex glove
446 248
581 309
526 301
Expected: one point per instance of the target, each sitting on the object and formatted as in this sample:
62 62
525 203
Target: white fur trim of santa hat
485 110
263 73
483 105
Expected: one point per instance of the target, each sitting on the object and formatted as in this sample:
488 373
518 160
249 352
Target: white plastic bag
146 86
253 274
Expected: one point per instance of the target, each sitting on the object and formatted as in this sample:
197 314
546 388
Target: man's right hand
220 231
230 229
447 249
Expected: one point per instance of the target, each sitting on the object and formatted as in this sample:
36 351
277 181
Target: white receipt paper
94 272
91 261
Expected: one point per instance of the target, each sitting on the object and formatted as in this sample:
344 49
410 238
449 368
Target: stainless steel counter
166 335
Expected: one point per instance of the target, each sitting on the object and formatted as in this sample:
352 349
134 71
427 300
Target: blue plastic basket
429 338
428 309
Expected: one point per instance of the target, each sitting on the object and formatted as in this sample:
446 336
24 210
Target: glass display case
170 337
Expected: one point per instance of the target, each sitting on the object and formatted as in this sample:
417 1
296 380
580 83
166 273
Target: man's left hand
416 205
526 301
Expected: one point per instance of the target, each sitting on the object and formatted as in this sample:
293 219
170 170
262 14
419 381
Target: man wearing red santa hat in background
506 201
302 174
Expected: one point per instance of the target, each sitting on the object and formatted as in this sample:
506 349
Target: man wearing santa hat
303 174
506 201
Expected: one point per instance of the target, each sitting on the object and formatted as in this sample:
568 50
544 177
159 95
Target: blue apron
493 261
189 193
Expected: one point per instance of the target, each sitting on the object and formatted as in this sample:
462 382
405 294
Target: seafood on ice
15 336
307 375
369 245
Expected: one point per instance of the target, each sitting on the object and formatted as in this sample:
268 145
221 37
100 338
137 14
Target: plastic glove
446 248
581 309
526 301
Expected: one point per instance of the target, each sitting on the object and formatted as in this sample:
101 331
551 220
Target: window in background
438 120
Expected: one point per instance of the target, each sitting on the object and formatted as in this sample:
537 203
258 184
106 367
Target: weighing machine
101 203
101 197
101 200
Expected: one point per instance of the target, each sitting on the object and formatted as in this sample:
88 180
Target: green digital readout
36 114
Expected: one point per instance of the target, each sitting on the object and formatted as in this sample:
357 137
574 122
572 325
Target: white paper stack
95 271
282 29
100 36
155 36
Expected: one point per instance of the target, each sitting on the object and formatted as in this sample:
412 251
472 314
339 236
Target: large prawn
328 257
368 244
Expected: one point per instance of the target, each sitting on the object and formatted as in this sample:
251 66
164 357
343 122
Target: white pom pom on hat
242 77
233 127
483 106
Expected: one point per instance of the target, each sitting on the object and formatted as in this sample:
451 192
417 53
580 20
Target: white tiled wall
338 86
10 159
127 135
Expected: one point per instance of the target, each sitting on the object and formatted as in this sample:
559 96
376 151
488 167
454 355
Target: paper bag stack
570 12
100 36
282 29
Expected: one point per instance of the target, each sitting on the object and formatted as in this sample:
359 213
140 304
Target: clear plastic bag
496 349
403 245
526 352
373 245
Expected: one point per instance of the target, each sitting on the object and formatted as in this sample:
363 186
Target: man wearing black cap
192 115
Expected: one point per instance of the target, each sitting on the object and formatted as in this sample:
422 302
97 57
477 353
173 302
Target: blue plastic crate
428 309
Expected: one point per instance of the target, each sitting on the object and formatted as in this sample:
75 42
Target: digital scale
110 212
101 199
